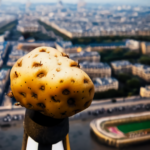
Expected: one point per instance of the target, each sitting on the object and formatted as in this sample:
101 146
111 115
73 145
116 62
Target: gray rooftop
94 65
83 54
104 81
120 63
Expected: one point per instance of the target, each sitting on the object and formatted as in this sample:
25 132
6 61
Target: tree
145 60
133 83
123 77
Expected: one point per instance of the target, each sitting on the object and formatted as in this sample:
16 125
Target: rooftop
94 65
146 68
120 63
83 54
104 81
64 44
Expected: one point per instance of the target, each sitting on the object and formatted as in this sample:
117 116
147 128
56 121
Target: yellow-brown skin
48 81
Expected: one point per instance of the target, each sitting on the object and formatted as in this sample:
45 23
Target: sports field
134 126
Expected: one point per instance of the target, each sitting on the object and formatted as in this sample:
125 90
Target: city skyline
145 2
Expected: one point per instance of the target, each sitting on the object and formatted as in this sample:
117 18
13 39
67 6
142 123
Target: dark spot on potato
48 52
86 80
86 104
82 91
59 63
42 50
58 69
23 94
35 55
29 105
36 64
16 74
90 91
61 81
41 74
53 98
76 111
73 64
64 55
55 55
34 95
42 88
19 63
41 105
71 102
73 81
82 97
64 113
66 92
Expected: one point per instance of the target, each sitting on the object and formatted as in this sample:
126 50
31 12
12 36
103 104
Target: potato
48 81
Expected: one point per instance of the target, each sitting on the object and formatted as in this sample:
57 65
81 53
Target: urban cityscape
111 44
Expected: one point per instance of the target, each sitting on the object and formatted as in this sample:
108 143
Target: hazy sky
144 2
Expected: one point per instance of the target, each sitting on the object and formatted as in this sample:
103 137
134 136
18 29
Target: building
96 69
145 47
29 46
85 56
3 50
121 66
28 26
2 39
67 47
4 78
106 46
105 84
143 71
133 45
145 91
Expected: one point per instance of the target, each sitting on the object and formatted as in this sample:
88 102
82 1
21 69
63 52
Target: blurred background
111 41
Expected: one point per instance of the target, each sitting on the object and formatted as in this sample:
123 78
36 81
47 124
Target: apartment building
96 69
145 91
67 47
105 84
143 71
121 66
85 56
145 47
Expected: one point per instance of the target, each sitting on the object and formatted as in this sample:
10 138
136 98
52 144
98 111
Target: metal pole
41 131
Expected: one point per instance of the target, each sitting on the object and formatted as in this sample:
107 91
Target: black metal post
43 129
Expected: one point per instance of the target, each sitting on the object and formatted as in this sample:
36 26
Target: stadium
124 130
